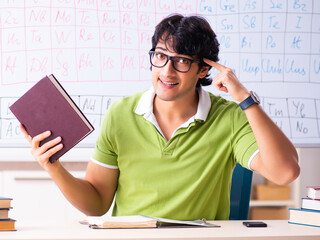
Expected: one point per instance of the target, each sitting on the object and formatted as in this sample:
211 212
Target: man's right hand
43 153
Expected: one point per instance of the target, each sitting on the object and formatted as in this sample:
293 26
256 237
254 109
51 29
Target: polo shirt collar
145 104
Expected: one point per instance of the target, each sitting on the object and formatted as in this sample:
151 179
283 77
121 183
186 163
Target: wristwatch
253 98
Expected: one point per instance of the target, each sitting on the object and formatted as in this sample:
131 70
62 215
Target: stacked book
6 223
309 213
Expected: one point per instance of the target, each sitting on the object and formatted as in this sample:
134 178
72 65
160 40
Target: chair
240 193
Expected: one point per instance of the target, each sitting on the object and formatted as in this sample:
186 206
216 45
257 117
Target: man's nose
168 68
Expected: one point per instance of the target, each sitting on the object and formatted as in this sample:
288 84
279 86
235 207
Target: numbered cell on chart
304 128
276 107
14 67
10 129
250 42
146 21
13 39
90 104
165 7
38 65
302 108
12 17
145 38
129 20
4 107
274 22
62 4
110 65
230 60
145 66
88 65
272 68
206 7
109 19
275 6
91 5
296 68
87 37
298 22
315 43
86 17
129 39
318 108
250 67
316 23
227 6
38 38
298 43
128 5
62 16
315 69
147 6
300 6
250 22
228 23
63 37
130 65
64 64
37 16
110 38
283 124
186 6
107 101
250 6
229 42
272 43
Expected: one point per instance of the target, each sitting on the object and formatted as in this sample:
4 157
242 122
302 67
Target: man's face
171 85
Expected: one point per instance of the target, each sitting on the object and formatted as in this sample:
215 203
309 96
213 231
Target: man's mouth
169 83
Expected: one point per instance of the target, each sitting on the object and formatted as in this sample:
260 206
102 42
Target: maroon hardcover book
47 106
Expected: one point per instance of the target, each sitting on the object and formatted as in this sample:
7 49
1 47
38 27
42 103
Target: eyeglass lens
179 63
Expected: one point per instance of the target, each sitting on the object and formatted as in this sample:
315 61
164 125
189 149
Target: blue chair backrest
240 193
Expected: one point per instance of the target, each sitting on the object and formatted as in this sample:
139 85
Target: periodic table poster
98 50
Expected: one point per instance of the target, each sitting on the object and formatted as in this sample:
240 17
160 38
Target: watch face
255 97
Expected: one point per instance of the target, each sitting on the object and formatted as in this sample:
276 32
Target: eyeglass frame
171 58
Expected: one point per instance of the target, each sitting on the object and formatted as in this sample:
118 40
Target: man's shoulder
220 102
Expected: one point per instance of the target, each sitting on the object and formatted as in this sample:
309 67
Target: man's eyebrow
164 49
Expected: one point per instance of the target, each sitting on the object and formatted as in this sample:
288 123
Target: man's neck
172 114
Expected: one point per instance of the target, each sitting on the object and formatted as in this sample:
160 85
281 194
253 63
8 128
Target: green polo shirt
185 178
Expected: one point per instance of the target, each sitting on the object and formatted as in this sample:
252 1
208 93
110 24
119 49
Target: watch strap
247 102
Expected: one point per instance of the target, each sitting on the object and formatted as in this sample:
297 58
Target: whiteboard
98 49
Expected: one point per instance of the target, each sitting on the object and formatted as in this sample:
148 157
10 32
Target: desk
277 229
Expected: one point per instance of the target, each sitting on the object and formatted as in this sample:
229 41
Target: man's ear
203 71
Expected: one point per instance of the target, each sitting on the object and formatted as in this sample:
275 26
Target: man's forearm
277 159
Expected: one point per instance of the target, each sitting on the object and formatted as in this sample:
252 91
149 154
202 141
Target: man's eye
183 61
160 56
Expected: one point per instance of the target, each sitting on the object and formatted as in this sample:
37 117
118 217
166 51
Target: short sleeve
104 152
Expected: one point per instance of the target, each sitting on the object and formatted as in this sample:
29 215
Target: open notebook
140 221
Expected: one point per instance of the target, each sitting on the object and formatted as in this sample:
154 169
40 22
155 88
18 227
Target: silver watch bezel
255 97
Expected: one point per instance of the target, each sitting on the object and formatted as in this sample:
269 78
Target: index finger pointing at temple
216 65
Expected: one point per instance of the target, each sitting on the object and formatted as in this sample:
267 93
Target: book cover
309 203
47 106
5 202
304 217
141 221
4 213
7 224
313 192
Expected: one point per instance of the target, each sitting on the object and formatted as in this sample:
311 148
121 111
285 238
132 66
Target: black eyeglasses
180 64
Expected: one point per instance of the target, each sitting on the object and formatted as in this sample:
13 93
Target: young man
170 151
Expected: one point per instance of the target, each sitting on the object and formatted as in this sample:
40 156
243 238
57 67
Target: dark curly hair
191 35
